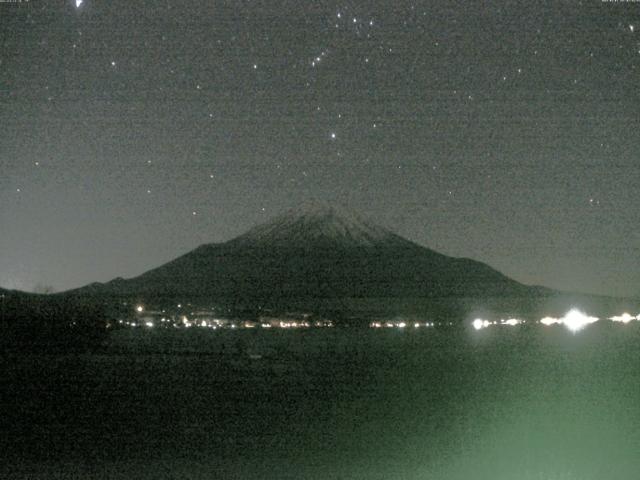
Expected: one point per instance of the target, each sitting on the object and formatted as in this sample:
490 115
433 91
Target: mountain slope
316 251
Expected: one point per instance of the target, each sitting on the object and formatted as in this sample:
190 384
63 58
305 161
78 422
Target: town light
624 318
479 323
575 320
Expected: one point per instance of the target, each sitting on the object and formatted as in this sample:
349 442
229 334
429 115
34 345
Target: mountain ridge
316 250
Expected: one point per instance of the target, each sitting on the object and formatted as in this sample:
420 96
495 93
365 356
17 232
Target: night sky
504 131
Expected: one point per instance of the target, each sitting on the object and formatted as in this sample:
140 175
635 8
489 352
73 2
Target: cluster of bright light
574 320
294 324
550 321
624 318
511 322
480 323
400 324
184 321
318 59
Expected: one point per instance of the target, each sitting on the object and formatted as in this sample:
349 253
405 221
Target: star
632 28
333 136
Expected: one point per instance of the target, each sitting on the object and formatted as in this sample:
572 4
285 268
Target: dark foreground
505 403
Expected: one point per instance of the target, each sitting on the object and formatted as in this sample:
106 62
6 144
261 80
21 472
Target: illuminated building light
550 321
575 320
149 324
624 318
511 322
479 323
139 309
402 325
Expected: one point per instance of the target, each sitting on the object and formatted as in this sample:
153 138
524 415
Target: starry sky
504 131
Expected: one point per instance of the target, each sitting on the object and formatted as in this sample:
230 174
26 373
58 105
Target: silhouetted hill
30 321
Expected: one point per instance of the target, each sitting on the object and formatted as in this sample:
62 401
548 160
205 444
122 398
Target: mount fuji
316 252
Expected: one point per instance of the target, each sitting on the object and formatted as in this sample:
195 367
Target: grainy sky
505 131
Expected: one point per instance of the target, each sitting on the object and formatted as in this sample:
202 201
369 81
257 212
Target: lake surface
501 403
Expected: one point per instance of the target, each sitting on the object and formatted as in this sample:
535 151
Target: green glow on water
494 404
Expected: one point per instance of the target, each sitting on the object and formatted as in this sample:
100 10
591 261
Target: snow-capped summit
318 223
